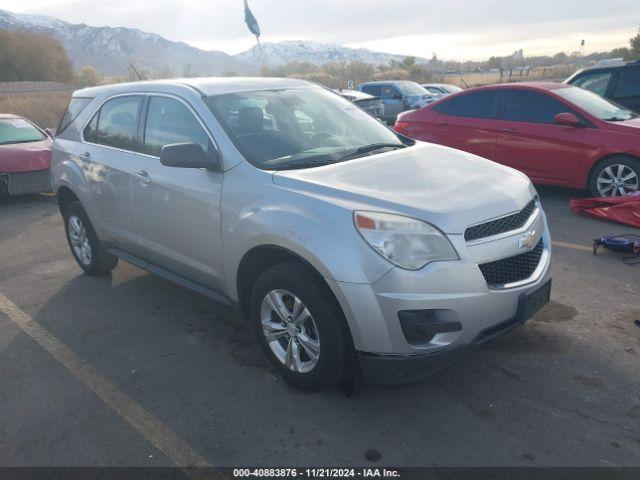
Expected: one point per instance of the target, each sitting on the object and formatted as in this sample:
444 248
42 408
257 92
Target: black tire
630 162
102 262
333 363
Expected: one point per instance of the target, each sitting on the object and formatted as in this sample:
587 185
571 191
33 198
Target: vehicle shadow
26 201
196 365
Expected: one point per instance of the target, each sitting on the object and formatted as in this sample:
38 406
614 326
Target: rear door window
628 84
116 123
170 121
375 90
531 107
472 105
596 82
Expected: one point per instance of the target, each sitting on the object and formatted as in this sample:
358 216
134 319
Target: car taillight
401 127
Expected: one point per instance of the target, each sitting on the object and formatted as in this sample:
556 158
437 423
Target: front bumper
401 369
453 292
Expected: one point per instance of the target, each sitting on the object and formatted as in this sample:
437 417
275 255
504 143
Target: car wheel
615 177
300 326
87 249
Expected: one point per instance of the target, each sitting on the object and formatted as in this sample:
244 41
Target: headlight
404 241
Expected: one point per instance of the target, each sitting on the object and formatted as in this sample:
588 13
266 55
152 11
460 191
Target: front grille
512 269
500 225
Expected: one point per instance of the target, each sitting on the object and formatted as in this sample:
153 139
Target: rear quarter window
75 107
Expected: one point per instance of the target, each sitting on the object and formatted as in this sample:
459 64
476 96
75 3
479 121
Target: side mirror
188 155
568 119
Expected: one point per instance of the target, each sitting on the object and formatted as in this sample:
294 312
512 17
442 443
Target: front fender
258 213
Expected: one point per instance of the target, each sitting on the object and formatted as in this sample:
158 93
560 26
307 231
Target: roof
205 85
438 85
8 115
609 66
534 85
386 82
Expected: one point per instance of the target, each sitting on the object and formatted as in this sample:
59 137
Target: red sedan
25 157
557 134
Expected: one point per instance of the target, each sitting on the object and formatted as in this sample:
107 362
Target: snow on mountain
276 54
113 49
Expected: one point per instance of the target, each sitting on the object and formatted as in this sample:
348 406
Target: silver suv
349 248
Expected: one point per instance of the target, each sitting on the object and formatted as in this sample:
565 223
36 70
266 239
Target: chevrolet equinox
349 248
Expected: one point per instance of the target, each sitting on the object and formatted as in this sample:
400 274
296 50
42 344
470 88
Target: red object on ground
624 210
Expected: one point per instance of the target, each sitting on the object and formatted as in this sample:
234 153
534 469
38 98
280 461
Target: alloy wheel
290 330
617 180
79 240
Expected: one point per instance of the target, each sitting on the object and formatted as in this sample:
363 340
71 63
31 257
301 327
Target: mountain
276 54
113 50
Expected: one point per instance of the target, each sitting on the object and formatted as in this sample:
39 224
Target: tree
32 57
187 71
88 76
622 52
634 51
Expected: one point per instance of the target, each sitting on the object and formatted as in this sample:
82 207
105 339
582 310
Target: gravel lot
133 370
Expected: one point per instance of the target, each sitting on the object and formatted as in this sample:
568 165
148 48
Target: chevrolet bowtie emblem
528 240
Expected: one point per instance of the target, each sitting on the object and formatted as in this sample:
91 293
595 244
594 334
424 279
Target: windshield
18 130
299 128
595 104
412 88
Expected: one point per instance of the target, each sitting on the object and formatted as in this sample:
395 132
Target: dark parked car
25 157
620 82
370 104
397 96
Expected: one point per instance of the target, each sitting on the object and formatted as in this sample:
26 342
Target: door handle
143 177
85 157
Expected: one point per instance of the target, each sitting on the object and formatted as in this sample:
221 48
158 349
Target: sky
456 30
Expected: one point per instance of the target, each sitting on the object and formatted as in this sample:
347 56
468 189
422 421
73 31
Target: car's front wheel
85 245
300 327
615 177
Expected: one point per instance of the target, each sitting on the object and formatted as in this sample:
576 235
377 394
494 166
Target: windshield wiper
295 165
617 119
370 148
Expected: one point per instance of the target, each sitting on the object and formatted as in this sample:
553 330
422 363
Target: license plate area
529 303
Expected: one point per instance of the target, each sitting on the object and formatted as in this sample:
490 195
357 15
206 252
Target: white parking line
144 422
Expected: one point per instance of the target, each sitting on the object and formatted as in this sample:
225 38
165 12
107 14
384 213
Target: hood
627 126
25 157
446 187
419 100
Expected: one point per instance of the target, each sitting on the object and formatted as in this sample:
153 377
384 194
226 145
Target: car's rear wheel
615 177
85 245
300 327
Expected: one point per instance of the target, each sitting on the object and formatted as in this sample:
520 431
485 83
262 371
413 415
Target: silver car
352 251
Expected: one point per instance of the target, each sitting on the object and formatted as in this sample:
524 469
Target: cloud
459 24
